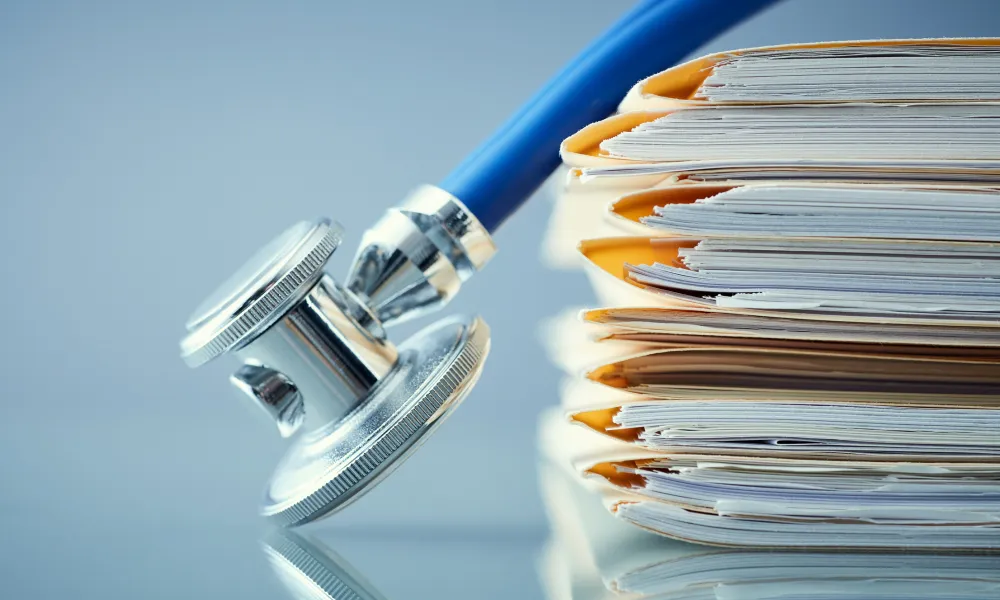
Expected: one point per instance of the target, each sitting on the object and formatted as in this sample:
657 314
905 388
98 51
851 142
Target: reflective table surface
233 554
309 567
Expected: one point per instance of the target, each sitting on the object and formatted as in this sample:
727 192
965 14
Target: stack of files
806 356
590 555
796 445
919 112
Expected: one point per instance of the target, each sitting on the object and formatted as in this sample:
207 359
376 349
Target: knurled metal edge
312 568
305 271
395 437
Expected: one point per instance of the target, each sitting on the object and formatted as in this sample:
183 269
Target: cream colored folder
632 208
636 176
680 86
608 258
595 207
581 211
869 133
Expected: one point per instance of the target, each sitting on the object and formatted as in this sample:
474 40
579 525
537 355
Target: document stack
591 555
796 255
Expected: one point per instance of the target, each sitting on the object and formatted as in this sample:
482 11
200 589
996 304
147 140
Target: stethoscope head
315 356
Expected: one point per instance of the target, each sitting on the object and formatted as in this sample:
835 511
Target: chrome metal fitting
416 257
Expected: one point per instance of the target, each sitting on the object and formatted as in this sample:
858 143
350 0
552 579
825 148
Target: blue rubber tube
500 175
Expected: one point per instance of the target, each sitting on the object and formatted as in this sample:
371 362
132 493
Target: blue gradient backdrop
148 147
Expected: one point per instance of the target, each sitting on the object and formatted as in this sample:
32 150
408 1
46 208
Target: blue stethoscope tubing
503 172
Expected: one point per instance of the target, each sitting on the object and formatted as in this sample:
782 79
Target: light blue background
147 148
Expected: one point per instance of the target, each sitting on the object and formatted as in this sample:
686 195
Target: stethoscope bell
316 358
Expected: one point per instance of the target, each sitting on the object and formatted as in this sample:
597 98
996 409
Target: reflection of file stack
592 556
799 350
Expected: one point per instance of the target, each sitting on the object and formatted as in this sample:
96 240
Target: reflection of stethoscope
312 571
315 355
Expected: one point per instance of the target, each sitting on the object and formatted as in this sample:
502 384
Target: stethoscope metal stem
320 345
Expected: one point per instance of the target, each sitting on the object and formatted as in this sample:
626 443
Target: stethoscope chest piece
316 359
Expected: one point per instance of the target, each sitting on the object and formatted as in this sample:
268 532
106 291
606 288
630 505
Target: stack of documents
591 555
796 254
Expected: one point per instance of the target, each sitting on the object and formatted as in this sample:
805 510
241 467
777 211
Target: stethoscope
314 353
